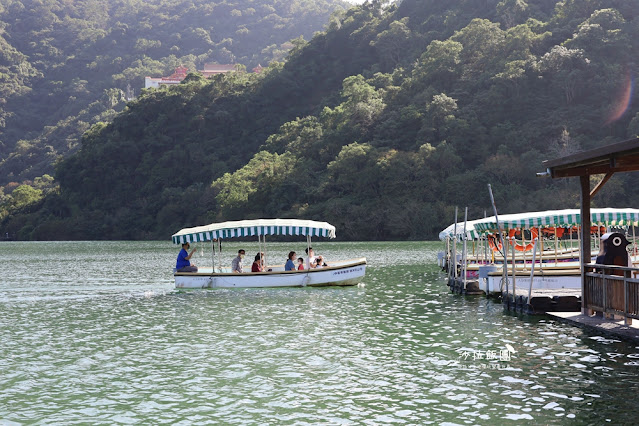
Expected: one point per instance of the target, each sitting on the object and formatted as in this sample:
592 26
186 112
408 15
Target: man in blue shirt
183 263
290 263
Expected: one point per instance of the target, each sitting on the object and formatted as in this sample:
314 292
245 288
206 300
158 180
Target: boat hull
344 273
555 280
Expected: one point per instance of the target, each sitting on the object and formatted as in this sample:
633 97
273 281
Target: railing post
604 290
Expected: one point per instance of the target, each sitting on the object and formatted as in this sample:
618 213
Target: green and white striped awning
250 228
471 234
558 218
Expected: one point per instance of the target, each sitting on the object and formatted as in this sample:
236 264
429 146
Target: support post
586 255
455 247
447 260
626 276
213 254
532 270
465 253
512 249
503 243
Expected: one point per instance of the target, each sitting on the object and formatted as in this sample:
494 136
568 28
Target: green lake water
94 333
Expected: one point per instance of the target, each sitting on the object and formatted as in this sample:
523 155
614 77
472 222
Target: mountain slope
67 65
380 125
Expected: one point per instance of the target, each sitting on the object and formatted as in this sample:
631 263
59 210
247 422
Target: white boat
552 269
338 273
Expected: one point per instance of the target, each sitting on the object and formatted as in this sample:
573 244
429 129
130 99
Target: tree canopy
380 124
66 65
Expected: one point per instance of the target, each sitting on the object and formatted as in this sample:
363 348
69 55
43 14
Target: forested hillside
65 65
379 125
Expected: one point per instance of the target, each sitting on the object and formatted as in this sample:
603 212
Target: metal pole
259 247
532 270
213 254
455 246
485 244
556 246
448 257
503 243
264 239
523 243
513 269
465 254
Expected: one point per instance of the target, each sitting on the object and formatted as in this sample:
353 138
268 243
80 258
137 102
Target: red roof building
214 69
176 78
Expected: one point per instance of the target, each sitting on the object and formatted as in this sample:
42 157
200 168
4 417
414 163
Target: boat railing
612 290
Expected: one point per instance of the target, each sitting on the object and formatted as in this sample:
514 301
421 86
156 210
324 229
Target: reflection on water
94 332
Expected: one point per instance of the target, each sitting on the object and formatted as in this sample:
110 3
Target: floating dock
543 301
610 326
468 287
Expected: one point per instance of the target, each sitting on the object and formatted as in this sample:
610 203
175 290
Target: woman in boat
183 263
257 264
290 263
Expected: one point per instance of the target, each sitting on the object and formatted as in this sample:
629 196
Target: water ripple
84 343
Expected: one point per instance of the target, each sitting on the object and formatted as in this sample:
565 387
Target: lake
94 332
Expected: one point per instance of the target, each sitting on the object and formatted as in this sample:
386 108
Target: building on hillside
175 78
214 69
181 72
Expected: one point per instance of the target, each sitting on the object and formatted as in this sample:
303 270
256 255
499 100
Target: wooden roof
617 157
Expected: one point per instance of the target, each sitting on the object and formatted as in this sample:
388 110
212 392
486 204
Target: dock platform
543 301
611 327
468 287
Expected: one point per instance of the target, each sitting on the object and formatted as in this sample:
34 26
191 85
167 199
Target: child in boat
300 260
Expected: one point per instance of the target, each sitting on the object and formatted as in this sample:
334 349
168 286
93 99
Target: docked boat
337 273
539 261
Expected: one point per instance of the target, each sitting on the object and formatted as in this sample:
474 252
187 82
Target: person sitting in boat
300 261
236 265
310 259
290 263
313 261
257 264
183 263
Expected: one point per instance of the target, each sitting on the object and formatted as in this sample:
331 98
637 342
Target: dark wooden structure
606 160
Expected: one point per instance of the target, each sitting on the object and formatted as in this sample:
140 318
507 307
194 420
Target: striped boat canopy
471 234
558 218
248 228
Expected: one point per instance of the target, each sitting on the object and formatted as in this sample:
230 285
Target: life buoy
519 247
559 232
598 229
493 245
